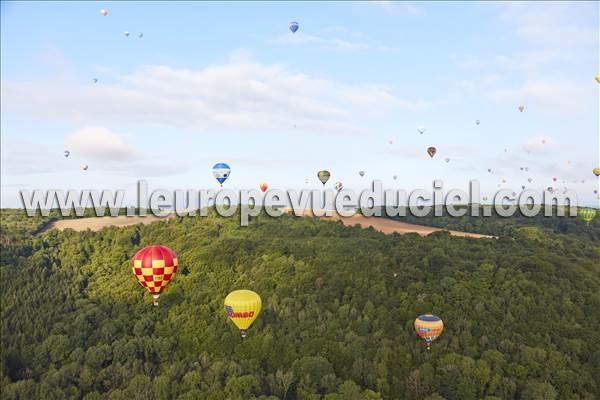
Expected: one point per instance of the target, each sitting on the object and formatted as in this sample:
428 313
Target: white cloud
558 96
97 143
241 94
331 43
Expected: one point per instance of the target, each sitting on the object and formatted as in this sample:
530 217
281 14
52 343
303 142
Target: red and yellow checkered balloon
154 267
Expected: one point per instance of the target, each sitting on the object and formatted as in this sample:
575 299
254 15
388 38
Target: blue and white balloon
221 172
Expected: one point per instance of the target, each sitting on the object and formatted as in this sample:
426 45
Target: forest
521 311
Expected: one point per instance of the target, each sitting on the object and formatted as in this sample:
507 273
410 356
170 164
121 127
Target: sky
228 82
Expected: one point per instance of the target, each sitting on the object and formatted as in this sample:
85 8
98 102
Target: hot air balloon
429 327
84 167
126 33
521 108
66 153
523 187
421 129
221 172
597 78
339 186
447 160
154 267
264 186
95 80
294 26
503 180
361 173
140 35
490 170
104 12
554 179
431 151
242 307
477 122
587 214
529 180
550 189
596 171
323 176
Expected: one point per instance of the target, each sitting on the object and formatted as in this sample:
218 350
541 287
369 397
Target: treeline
522 314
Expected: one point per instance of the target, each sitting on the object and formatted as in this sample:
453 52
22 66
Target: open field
384 225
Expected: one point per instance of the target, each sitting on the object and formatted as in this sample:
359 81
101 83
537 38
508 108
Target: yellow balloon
243 307
597 171
598 78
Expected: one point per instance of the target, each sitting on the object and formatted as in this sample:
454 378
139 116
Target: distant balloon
521 108
429 327
294 26
323 176
596 171
242 307
598 78
421 129
339 186
514 194
104 12
140 35
154 267
490 170
554 179
264 186
95 80
503 180
126 33
221 172
550 189
477 122
395 177
523 187
529 180
66 153
587 214
84 167
447 160
431 151
361 173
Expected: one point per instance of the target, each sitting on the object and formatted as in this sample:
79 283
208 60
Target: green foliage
521 312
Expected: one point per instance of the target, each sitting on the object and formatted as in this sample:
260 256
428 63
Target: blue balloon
221 172
294 26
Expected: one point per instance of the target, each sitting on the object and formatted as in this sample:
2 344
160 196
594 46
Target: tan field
97 223
384 225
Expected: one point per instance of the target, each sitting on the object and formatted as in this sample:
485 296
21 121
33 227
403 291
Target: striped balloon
587 214
429 327
154 267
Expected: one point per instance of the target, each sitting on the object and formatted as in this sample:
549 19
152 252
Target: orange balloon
264 186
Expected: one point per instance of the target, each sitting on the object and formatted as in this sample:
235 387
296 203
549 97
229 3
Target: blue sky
211 82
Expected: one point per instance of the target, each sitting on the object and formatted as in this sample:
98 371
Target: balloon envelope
361 173
587 214
421 129
339 186
323 176
242 307
221 172
294 26
429 327
66 153
264 186
154 267
431 151
104 12
84 167
596 171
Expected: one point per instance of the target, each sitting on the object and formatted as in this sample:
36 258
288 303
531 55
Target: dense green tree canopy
522 312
